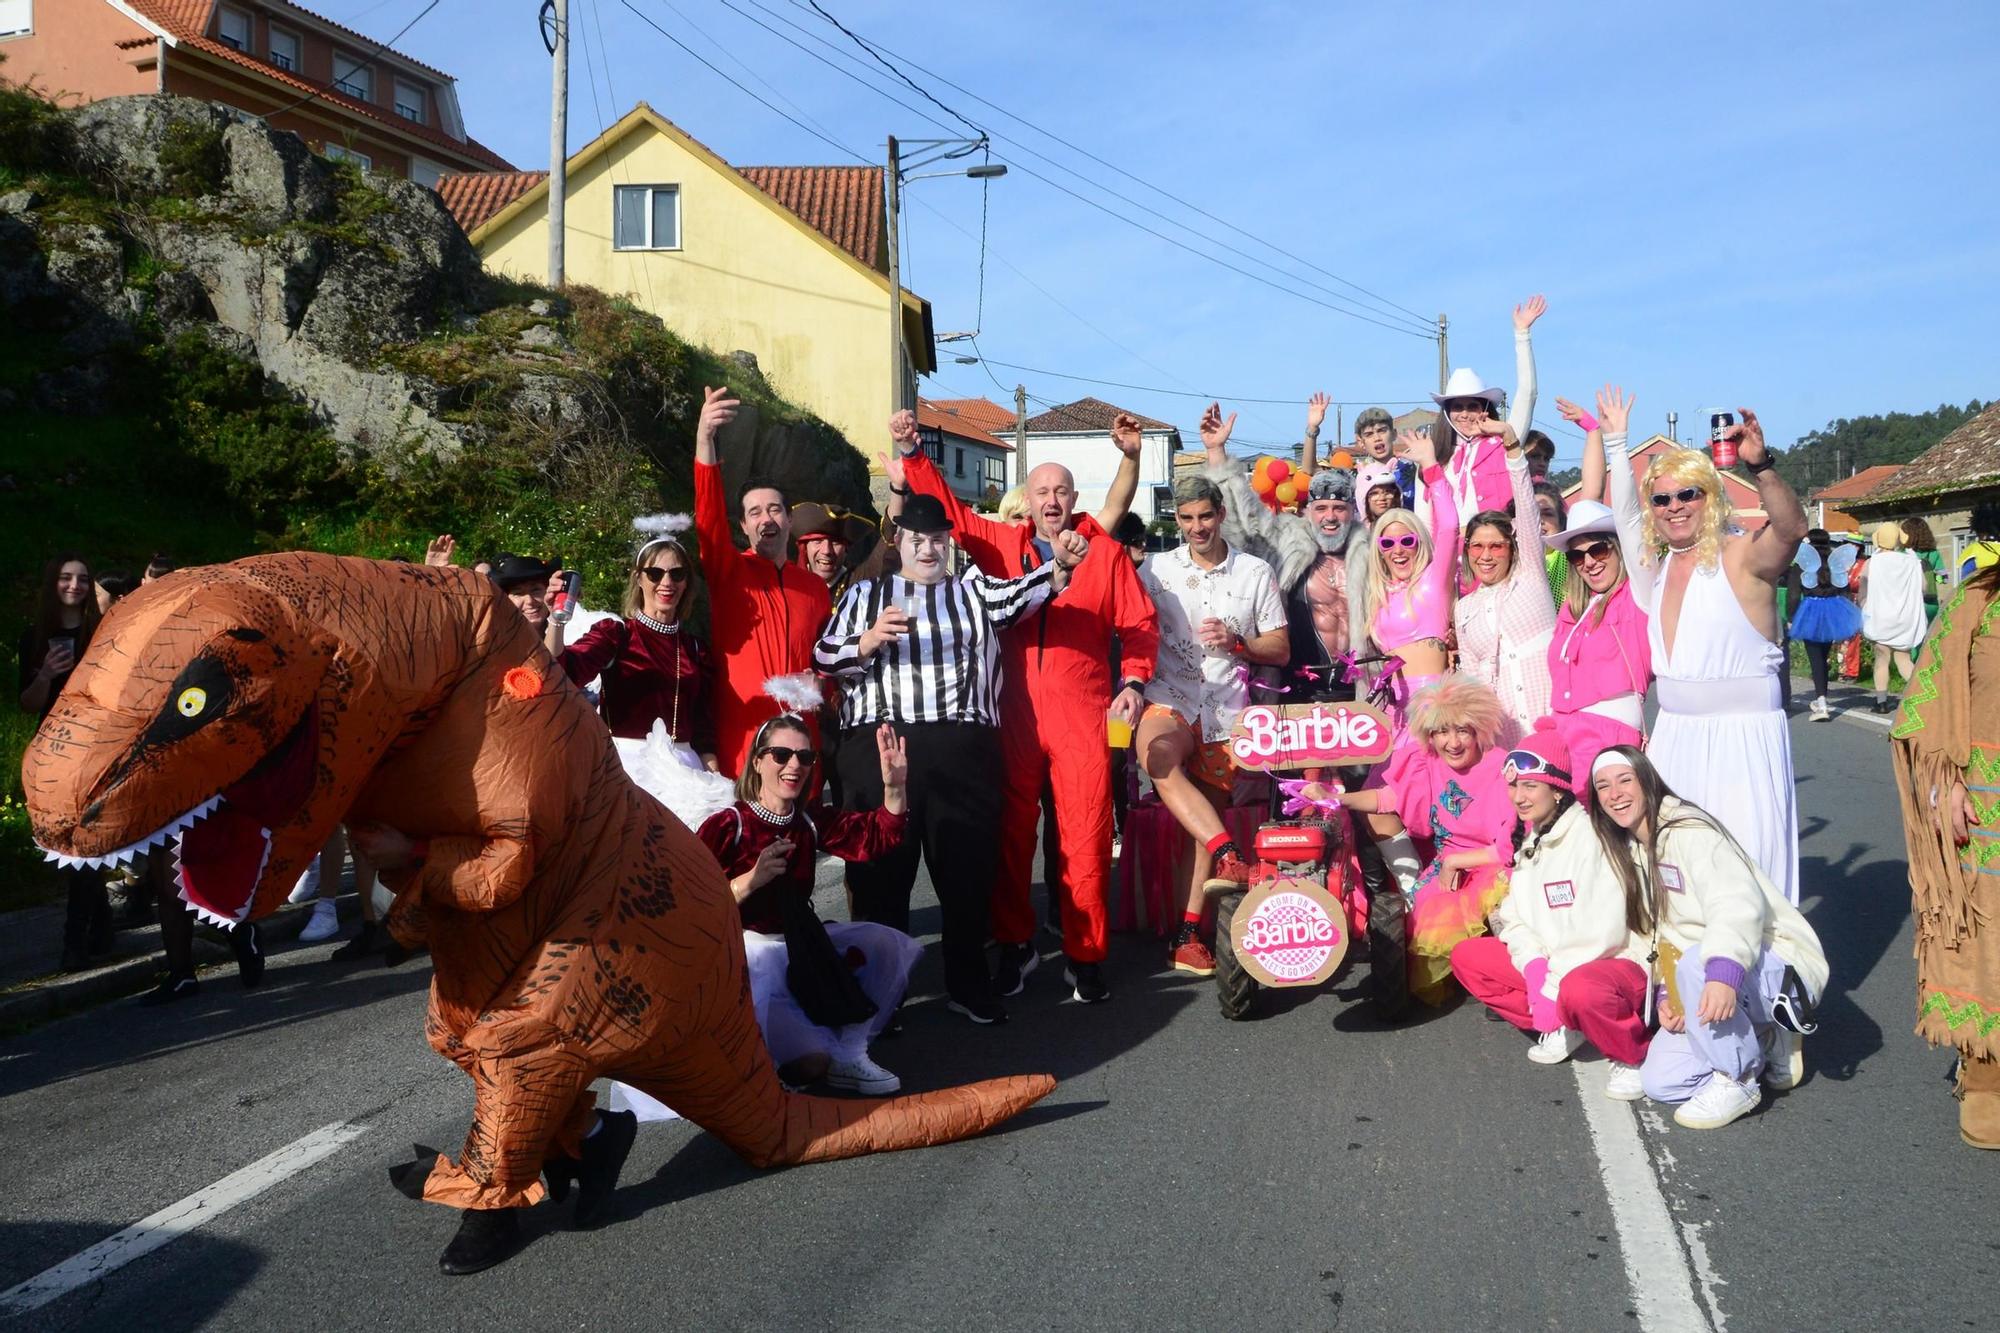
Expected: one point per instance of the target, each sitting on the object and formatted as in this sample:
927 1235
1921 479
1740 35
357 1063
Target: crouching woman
1736 963
1564 962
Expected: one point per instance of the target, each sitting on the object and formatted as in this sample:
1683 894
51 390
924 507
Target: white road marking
177 1219
1656 1267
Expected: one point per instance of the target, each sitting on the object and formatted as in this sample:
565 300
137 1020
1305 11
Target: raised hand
903 431
892 468
1571 413
718 409
895 756
1418 448
1316 411
440 549
1749 436
1125 434
1215 431
1530 310
1614 409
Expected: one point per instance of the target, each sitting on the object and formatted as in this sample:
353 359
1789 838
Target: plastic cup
911 604
1119 732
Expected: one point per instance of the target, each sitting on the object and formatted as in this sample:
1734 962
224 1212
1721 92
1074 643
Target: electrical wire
1212 397
914 86
590 69
317 93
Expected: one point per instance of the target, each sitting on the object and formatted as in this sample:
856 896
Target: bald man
1056 694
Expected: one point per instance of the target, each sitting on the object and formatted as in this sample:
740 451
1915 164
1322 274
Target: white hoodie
1564 902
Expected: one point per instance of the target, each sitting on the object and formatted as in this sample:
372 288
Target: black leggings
1816 654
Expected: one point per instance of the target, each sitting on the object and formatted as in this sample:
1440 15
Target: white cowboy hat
1587 518
1465 383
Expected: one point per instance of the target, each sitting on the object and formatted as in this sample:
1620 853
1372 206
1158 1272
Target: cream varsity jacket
1564 902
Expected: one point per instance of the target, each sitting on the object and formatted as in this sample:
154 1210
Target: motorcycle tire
1235 989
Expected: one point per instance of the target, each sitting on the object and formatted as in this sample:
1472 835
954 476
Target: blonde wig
1888 537
1014 506
1375 590
1457 701
1687 467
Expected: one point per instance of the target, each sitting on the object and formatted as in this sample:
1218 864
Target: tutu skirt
672 774
1826 620
1441 916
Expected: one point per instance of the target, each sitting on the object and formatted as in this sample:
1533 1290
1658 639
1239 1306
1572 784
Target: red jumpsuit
1056 665
763 621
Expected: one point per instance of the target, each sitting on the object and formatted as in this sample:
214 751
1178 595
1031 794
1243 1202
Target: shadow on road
206 1273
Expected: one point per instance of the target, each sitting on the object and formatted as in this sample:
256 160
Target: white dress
1892 600
1722 741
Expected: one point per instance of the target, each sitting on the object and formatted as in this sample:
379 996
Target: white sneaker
307 888
1784 1058
1624 1084
1721 1100
1817 710
1552 1048
861 1074
324 923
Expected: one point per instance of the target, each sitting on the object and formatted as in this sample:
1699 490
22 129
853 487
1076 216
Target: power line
1211 397
914 87
369 63
1159 190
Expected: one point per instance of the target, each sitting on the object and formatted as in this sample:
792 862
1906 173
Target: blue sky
1787 206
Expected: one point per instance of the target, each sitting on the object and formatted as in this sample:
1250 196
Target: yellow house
787 263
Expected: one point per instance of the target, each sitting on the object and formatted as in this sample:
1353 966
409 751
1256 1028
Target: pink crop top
1421 609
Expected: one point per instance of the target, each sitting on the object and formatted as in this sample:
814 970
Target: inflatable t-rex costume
578 930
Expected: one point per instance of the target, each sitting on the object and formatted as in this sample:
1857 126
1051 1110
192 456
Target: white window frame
339 153
359 67
420 99
426 172
24 26
224 13
992 471
277 58
650 191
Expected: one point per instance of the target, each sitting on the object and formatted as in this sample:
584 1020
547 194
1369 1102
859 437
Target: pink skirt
1441 917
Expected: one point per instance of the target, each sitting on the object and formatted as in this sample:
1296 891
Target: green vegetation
1842 448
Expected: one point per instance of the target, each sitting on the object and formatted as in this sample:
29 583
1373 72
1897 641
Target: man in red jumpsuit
765 613
1057 690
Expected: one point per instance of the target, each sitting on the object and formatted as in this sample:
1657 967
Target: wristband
1588 422
1237 647
1754 468
1132 683
899 490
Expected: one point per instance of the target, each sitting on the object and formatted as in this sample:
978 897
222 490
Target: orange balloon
1280 469
1341 458
1261 483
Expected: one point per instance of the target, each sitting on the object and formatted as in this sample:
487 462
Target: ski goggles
1528 764
1790 1008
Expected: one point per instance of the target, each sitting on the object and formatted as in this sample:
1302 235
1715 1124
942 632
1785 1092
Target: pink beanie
1542 755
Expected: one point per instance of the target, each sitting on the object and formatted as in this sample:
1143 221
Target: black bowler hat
509 570
924 513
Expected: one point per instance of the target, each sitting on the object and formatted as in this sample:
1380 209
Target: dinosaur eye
192 700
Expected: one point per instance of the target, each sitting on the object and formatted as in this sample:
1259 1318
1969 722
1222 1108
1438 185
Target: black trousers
1816 655
87 918
954 813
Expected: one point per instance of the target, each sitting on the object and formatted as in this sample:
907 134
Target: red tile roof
1086 414
474 196
187 20
844 204
1862 482
969 418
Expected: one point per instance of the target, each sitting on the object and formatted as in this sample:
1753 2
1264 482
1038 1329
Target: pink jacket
1477 473
1602 658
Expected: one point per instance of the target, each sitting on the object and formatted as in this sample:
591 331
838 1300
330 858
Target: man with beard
765 614
1309 555
1053 707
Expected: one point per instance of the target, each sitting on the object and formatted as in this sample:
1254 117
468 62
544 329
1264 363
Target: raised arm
1592 485
1529 567
711 507
1125 484
912 468
1281 540
1445 536
1521 407
1773 546
1309 446
1614 409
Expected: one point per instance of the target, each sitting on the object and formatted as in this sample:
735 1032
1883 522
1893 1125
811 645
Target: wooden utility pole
559 145
1444 352
1020 434
892 187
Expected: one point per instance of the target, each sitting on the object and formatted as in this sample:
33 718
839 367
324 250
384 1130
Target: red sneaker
1229 873
1191 956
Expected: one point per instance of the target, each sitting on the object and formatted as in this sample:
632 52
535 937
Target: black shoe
982 1009
249 958
486 1237
595 1174
172 989
368 941
1010 972
1086 983
395 955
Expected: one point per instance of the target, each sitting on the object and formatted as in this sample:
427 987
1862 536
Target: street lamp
928 151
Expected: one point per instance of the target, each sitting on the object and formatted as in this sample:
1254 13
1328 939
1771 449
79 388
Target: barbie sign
1280 736
1289 932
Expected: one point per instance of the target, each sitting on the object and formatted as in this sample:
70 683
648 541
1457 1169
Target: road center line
1656 1267
177 1219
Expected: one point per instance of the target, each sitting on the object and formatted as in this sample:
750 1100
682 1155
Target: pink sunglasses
1406 541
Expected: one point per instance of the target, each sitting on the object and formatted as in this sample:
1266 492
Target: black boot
368 941
249 958
486 1237
595 1174
1388 964
175 987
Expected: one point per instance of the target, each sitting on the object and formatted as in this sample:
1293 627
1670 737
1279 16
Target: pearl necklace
1681 550
659 626
768 817
674 630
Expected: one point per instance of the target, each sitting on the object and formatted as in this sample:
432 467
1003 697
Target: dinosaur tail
825 1129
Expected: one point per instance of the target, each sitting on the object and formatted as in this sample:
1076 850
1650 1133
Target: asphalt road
1308 1171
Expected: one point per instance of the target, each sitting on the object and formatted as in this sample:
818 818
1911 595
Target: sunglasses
1687 495
1406 541
654 574
784 754
1597 550
1528 764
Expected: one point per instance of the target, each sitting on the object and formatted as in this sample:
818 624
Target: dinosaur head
197 723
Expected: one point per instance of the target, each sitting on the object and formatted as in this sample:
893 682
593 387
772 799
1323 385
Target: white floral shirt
1207 689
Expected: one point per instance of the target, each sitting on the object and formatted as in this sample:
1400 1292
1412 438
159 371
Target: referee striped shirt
947 668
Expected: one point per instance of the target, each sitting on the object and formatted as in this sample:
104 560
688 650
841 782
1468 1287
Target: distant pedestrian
1892 609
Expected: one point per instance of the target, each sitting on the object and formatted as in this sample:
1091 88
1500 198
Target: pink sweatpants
1603 1000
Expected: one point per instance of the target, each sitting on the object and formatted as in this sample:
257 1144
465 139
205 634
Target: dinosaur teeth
125 854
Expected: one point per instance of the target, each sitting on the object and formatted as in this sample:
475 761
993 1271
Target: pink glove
1542 1011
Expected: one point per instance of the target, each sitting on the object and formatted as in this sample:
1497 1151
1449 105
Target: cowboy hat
1587 518
1465 383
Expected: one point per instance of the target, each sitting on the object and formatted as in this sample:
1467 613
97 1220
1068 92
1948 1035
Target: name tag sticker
1671 877
1561 893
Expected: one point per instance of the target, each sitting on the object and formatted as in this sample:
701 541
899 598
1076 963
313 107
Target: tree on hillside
1842 448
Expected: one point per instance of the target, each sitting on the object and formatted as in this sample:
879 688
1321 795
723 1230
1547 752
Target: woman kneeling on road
1737 965
1566 962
